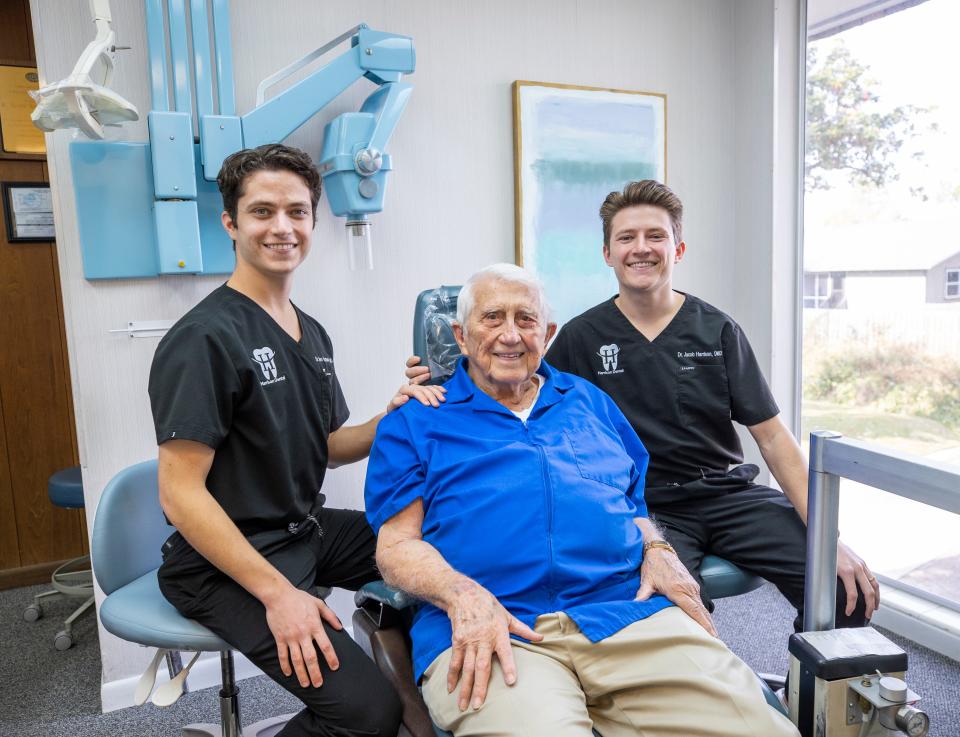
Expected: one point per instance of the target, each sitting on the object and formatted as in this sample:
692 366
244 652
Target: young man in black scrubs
682 371
249 413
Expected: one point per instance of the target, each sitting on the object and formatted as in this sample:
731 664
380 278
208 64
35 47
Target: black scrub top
680 391
228 376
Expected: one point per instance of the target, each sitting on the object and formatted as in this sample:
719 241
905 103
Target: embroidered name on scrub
326 363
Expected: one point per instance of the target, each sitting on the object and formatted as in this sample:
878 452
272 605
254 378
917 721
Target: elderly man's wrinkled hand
853 571
662 572
429 396
481 628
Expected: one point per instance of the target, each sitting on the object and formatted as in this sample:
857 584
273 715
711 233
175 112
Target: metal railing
833 456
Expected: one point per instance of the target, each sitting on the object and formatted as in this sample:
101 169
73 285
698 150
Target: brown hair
269 157
644 192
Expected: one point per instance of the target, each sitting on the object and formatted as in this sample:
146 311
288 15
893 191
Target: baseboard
204 674
921 621
12 578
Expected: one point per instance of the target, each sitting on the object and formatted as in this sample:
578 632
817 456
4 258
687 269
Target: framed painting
572 147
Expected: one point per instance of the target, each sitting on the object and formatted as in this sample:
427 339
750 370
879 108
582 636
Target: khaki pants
663 675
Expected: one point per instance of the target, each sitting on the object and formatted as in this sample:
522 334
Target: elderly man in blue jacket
516 512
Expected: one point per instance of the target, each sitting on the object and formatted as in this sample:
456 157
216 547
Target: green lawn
917 435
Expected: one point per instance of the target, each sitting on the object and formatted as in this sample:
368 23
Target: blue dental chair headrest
433 337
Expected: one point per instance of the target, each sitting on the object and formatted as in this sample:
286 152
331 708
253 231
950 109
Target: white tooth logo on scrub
264 356
608 354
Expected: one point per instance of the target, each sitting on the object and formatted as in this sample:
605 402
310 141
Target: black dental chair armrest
380 626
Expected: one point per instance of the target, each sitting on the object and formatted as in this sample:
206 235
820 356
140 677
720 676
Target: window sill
924 622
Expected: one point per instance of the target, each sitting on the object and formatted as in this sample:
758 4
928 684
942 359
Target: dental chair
382 619
125 548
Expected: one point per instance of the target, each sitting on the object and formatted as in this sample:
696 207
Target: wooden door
37 428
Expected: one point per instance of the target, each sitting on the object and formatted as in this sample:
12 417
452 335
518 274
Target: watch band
662 544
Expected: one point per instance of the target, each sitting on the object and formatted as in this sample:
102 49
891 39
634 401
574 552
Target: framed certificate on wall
27 211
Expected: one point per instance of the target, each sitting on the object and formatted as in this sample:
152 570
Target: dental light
78 101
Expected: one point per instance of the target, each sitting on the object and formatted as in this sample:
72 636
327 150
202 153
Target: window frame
825 284
955 284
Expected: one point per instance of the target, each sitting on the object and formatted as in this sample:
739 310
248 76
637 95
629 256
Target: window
879 361
822 290
816 290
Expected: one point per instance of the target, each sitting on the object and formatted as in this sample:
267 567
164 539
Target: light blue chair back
128 533
129 527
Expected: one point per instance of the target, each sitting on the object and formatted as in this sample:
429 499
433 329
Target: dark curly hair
644 192
270 157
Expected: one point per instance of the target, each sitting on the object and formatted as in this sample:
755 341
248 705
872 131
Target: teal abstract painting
573 146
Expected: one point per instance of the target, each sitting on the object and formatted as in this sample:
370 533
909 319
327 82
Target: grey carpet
761 642
45 693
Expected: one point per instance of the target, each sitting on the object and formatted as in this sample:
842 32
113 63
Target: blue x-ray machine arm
148 209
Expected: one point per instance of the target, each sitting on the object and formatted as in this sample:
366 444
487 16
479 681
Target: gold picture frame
18 134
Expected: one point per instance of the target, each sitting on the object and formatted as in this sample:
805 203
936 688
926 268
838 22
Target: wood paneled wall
37 428
16 33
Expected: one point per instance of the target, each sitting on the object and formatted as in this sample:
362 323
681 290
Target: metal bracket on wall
145 328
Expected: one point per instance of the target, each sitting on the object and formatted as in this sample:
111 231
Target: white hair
510 273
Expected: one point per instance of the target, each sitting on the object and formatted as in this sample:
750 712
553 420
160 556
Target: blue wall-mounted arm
202 61
352 163
172 203
224 53
157 49
180 56
277 118
381 57
386 105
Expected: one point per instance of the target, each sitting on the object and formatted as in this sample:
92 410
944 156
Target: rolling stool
65 489
127 535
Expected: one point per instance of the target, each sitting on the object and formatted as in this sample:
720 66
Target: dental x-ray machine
153 208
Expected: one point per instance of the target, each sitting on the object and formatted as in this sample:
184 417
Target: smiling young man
249 414
683 372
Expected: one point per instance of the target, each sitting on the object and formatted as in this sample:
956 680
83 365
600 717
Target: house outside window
953 284
822 290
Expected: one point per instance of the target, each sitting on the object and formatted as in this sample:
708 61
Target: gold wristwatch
662 544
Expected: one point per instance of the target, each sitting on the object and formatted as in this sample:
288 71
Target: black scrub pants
748 524
354 700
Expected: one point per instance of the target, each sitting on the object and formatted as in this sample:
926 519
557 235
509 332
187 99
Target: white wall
877 291
936 289
764 183
450 205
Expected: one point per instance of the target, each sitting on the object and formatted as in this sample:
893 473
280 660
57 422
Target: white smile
280 246
642 265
